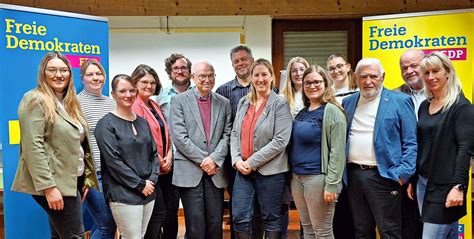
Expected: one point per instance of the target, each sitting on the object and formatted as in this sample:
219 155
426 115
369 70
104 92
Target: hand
208 165
243 167
455 198
330 197
401 182
212 172
54 198
165 165
85 190
410 191
149 188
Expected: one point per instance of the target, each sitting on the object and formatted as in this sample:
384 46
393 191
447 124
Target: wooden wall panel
277 8
352 26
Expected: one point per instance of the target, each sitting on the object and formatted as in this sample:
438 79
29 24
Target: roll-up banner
28 34
451 32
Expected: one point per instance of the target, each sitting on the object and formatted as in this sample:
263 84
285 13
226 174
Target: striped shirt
94 108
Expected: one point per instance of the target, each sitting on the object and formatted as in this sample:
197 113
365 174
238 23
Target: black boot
272 235
242 235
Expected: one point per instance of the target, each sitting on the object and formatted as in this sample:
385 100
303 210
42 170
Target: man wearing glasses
200 128
178 68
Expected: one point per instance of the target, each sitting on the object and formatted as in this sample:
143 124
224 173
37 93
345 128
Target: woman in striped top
95 106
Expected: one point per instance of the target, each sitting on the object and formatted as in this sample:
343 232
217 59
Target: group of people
353 154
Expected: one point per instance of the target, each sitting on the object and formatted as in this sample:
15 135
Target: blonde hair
328 95
89 62
289 88
252 95
44 95
350 73
437 60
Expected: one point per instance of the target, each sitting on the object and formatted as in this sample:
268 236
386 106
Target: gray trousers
131 220
316 215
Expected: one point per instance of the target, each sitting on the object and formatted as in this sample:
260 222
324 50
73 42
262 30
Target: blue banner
30 33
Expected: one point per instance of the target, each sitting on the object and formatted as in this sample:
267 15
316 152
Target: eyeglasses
308 84
54 71
338 67
204 77
125 91
177 68
145 82
91 74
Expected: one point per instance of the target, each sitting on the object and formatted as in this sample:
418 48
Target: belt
363 166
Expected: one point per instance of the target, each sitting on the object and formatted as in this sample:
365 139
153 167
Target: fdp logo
461 231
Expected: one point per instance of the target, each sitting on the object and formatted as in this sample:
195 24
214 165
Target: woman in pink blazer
148 84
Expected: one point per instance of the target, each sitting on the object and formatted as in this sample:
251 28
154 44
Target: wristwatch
460 187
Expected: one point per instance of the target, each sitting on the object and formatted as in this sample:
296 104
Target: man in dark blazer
200 128
381 152
414 86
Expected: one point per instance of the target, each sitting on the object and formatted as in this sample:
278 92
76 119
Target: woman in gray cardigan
258 140
316 154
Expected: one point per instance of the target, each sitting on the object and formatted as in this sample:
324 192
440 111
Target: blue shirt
304 149
233 91
164 98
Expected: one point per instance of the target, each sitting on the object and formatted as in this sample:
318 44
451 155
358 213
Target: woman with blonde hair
316 154
339 69
56 164
293 85
445 145
258 149
95 105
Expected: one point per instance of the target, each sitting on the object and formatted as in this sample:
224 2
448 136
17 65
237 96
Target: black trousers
171 200
343 223
203 209
412 226
153 231
66 223
374 201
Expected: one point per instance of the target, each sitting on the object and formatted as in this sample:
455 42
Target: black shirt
427 128
127 160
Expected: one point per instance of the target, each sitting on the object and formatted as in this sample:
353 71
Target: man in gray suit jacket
200 127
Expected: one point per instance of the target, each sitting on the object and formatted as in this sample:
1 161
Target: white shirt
417 97
299 105
361 136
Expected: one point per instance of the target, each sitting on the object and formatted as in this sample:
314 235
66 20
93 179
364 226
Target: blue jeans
104 224
267 190
433 230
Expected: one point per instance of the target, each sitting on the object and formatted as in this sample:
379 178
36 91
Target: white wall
136 40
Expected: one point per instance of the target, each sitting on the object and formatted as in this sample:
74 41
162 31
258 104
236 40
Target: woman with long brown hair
339 69
316 154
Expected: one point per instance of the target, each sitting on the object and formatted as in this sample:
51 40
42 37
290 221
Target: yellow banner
387 37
